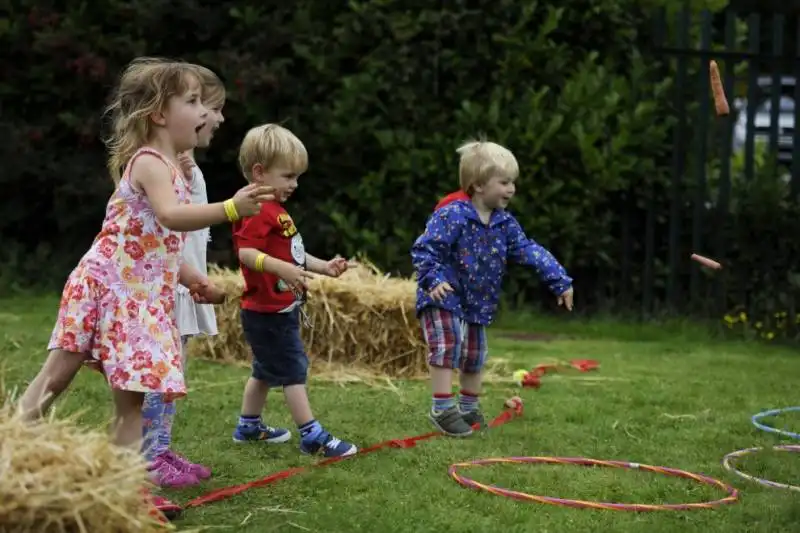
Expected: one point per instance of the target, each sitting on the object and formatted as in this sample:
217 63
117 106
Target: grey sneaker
450 422
474 417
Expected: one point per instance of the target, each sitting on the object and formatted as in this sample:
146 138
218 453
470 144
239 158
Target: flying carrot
720 102
705 261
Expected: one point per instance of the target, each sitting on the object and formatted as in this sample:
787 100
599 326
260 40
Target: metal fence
759 56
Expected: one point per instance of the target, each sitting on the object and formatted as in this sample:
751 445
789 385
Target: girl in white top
193 318
169 469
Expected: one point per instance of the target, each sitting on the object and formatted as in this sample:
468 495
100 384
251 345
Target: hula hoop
732 497
728 461
756 419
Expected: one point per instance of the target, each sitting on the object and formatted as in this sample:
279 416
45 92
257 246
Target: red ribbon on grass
513 409
532 379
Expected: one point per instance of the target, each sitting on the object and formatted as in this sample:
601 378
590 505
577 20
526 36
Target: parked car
762 118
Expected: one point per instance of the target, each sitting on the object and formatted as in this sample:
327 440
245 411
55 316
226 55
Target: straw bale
57 477
363 319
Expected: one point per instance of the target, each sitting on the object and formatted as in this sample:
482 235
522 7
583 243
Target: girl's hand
249 198
566 299
336 267
205 292
439 292
186 164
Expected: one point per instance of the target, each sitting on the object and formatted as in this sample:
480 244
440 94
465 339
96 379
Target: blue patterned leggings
157 418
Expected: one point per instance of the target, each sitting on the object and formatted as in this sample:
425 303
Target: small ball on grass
513 402
519 376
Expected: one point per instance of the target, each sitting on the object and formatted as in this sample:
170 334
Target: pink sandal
165 474
184 465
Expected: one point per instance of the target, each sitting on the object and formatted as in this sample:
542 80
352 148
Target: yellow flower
770 336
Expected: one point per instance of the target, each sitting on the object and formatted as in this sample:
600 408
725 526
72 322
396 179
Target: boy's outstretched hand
566 299
440 291
336 267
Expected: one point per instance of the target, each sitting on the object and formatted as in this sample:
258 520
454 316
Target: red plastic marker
705 261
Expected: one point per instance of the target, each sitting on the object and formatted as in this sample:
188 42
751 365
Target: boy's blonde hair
481 161
214 93
272 146
144 87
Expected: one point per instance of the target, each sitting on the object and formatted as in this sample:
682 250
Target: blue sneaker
328 446
261 432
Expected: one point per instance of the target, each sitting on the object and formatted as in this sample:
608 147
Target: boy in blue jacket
460 261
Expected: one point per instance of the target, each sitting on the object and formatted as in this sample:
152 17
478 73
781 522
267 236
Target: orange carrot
705 261
720 102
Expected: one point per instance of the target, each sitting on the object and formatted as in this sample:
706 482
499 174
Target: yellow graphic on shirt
288 229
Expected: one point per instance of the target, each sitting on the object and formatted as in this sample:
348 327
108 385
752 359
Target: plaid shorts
452 342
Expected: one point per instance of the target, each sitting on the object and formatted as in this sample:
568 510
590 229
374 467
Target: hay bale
57 477
363 319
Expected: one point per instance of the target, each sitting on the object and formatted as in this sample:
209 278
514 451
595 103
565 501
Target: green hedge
382 92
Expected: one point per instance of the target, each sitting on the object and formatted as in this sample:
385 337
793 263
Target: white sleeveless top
194 318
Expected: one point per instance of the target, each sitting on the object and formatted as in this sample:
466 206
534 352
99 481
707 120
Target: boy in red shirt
276 269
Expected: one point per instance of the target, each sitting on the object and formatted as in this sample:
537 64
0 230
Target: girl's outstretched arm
154 177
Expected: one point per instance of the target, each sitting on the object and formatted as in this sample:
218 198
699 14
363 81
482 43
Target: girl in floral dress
116 309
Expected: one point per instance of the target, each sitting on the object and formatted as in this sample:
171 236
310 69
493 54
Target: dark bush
382 93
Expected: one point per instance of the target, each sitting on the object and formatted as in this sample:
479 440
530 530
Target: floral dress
118 304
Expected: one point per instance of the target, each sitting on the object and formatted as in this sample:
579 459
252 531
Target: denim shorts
279 357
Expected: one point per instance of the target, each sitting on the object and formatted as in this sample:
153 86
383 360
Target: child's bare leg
254 398
441 380
53 379
471 382
126 429
299 406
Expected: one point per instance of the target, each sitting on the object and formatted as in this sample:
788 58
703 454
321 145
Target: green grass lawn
678 399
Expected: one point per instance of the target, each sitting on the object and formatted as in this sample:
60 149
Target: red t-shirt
273 232
452 197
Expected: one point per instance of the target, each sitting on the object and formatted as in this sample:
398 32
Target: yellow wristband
230 210
259 263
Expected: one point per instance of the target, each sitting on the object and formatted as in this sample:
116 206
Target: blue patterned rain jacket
471 256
